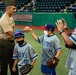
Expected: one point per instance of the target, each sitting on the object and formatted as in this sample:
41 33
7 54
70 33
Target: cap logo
17 32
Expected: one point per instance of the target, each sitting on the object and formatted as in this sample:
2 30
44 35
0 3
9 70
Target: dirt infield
33 27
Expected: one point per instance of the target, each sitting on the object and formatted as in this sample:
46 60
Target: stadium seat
43 5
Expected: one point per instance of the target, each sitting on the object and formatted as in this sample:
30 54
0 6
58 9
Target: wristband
61 31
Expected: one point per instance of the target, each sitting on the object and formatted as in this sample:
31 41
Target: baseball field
61 70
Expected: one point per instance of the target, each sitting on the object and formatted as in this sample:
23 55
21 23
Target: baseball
26 29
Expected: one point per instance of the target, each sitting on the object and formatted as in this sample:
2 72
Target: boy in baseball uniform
23 52
50 48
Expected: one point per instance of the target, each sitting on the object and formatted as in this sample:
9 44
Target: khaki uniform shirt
6 24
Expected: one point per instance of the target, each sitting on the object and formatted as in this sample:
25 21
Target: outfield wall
38 19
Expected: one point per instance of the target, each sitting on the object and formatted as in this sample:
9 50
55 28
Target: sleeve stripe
35 57
38 40
73 38
15 57
59 48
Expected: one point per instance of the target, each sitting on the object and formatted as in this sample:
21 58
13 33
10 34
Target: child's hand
14 69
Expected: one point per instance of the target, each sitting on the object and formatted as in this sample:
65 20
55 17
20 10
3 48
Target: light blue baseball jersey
71 60
25 54
50 46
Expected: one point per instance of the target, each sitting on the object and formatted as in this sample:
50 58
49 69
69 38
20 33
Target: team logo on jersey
34 51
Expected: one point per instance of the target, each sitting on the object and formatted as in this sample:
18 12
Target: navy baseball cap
48 27
18 34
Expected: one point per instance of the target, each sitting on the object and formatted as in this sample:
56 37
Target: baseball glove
52 62
26 69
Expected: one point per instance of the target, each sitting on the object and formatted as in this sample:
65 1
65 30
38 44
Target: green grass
61 70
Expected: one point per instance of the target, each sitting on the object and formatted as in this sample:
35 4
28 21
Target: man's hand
26 29
59 25
64 23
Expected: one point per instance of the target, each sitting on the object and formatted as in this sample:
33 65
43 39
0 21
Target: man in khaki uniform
6 24
6 38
